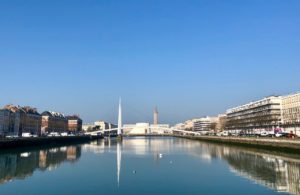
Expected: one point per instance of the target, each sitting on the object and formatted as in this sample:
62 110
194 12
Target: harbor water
148 165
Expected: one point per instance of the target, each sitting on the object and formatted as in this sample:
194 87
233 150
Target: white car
264 134
26 135
279 134
53 134
223 133
64 134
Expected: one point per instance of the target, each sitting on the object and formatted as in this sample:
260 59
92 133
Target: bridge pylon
120 119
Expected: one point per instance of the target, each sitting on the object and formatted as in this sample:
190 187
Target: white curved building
137 129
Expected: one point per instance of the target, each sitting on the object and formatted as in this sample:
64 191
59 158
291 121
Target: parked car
64 134
264 134
53 134
26 135
279 134
223 133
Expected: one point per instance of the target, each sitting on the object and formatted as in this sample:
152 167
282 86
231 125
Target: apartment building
205 124
9 123
15 120
262 114
74 123
54 122
291 113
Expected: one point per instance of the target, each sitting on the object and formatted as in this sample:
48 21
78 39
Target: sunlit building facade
136 129
262 114
74 123
291 113
159 128
15 120
102 125
205 124
54 122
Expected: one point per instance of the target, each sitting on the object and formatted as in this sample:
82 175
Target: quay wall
274 144
43 141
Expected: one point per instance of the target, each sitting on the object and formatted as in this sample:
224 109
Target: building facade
9 123
31 120
137 129
205 124
291 113
74 123
221 124
102 125
189 124
16 120
54 122
88 127
264 114
179 126
159 128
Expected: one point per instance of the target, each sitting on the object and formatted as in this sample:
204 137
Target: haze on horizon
189 58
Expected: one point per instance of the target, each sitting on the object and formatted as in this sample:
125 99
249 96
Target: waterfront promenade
275 144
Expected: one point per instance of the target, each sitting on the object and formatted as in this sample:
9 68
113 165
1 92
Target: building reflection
280 172
19 165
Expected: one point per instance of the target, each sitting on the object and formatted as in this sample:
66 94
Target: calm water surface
148 166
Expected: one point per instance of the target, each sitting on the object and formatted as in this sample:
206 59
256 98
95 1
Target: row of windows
252 107
292 110
291 99
255 110
255 115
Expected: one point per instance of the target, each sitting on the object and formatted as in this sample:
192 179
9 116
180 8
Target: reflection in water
280 172
19 165
274 172
277 172
119 156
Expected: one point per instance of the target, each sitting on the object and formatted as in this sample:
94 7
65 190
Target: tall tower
155 116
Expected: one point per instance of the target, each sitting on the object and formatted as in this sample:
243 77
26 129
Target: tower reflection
119 158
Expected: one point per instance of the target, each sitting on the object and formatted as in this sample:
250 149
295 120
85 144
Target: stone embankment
42 141
275 144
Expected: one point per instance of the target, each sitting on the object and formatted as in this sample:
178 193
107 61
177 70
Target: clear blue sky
190 58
